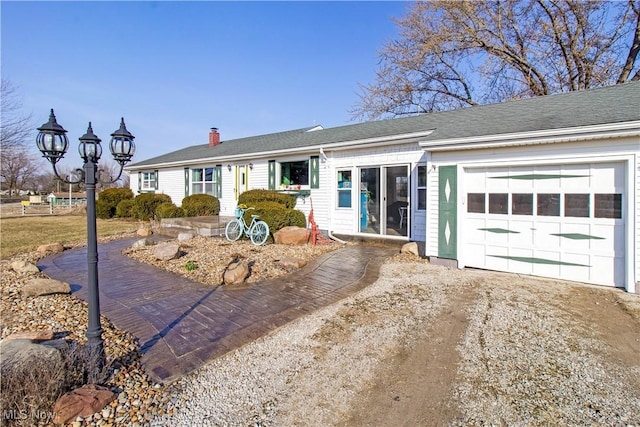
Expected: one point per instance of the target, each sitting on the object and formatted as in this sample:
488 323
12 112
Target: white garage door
563 222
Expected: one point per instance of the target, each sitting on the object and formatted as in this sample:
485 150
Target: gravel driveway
427 345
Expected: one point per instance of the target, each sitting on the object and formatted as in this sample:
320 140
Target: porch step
210 226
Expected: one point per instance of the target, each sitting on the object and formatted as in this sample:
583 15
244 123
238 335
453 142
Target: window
294 173
422 187
548 204
522 204
149 181
608 206
475 203
344 188
498 203
203 181
576 205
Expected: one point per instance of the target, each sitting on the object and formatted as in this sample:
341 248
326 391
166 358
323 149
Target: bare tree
16 127
454 54
109 170
18 170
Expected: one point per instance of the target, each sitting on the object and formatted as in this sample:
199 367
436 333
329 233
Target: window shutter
157 178
139 182
218 181
186 182
315 171
272 174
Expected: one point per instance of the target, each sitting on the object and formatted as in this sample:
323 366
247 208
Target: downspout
329 233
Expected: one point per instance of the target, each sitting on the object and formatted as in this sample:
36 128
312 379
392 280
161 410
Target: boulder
292 235
24 267
410 248
81 402
53 247
291 262
31 335
236 273
20 354
142 243
39 287
167 251
144 232
184 236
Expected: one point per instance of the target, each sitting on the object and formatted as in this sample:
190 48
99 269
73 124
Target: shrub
146 204
276 215
124 209
201 205
108 201
169 210
251 197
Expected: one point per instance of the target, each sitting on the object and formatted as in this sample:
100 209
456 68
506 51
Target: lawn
24 234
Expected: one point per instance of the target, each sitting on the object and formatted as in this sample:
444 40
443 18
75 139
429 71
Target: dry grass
24 234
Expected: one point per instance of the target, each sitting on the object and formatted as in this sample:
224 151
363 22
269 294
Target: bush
146 204
124 209
276 215
201 205
169 210
108 201
251 197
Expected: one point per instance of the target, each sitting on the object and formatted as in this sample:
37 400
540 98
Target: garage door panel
524 235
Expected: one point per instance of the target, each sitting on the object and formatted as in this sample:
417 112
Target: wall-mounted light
229 168
251 166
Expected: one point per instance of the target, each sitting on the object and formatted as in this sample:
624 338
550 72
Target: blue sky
176 69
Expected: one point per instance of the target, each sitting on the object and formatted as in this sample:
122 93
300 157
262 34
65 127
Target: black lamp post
53 143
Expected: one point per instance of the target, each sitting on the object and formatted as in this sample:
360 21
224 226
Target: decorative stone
293 262
22 353
236 273
144 232
24 267
81 402
167 251
410 248
185 236
292 235
31 335
142 243
38 287
53 247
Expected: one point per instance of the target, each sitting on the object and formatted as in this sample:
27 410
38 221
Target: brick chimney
214 137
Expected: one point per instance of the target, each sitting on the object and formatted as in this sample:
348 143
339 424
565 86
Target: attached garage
560 221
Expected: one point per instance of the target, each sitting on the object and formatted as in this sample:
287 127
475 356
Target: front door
383 204
241 180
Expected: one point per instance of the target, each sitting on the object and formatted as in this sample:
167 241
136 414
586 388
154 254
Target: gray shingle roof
612 104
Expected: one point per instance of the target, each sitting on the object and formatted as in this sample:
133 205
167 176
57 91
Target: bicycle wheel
233 230
259 233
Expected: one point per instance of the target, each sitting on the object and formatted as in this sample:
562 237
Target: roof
605 105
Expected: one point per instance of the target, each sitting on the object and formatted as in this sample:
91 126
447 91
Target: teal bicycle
257 231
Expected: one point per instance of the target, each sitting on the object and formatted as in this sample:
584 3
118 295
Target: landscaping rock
81 402
185 236
167 251
53 247
236 273
39 287
145 232
142 243
31 335
22 266
410 248
290 262
292 236
20 353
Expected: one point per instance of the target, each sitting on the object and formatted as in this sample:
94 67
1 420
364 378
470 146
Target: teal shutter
139 182
186 182
272 174
447 212
156 172
315 171
218 181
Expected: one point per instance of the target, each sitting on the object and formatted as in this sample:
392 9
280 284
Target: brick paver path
182 324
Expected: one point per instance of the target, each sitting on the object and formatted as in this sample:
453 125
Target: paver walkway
181 324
